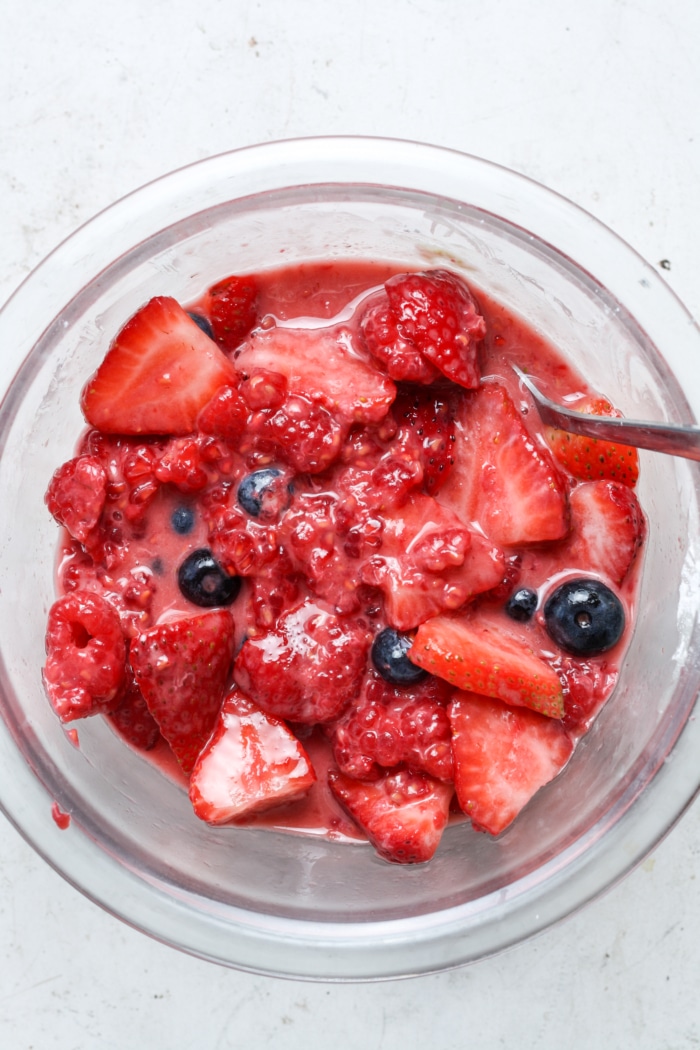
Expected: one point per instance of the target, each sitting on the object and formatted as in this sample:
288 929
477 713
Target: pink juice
407 496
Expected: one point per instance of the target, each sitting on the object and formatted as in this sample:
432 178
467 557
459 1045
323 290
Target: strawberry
182 668
251 763
308 668
502 478
389 725
380 333
608 528
503 755
403 814
85 656
158 374
473 656
435 314
589 458
233 310
132 719
426 423
428 562
320 366
76 495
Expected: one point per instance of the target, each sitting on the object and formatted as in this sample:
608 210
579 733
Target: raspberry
305 434
86 655
181 465
225 416
76 495
391 725
380 332
308 668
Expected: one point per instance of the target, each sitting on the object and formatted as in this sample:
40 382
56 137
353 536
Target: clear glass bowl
297 905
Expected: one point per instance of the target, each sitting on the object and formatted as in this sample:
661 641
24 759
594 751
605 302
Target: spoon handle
674 440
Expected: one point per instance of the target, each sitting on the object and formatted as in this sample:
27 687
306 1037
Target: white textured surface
598 100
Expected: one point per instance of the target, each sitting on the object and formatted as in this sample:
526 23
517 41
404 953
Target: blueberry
262 495
182 520
202 322
389 656
521 605
584 617
203 582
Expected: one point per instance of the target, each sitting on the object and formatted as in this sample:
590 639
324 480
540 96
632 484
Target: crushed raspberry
76 495
303 433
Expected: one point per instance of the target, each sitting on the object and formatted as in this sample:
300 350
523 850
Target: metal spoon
674 440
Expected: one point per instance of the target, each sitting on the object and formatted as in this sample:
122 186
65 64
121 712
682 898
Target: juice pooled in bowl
321 561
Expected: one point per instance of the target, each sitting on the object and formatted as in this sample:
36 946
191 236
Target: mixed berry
317 548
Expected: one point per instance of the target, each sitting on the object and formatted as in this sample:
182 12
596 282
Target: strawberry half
608 528
158 374
502 478
251 762
474 657
319 366
182 668
589 458
503 755
403 814
233 310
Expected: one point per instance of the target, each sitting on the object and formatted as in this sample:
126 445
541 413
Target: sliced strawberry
251 763
589 458
308 668
132 719
389 725
503 756
403 814
85 656
182 668
233 310
320 366
502 478
76 495
425 420
608 528
159 373
380 331
473 656
436 313
428 562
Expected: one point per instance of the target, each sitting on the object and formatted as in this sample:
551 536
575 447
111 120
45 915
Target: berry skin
203 582
588 458
389 656
157 376
472 656
521 605
182 668
182 520
308 668
76 495
403 815
435 312
584 617
233 310
85 656
263 495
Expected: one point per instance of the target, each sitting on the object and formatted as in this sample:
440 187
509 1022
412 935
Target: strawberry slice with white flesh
608 528
157 376
403 814
251 763
473 656
502 478
503 755
320 365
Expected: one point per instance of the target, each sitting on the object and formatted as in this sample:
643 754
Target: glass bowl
296 905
